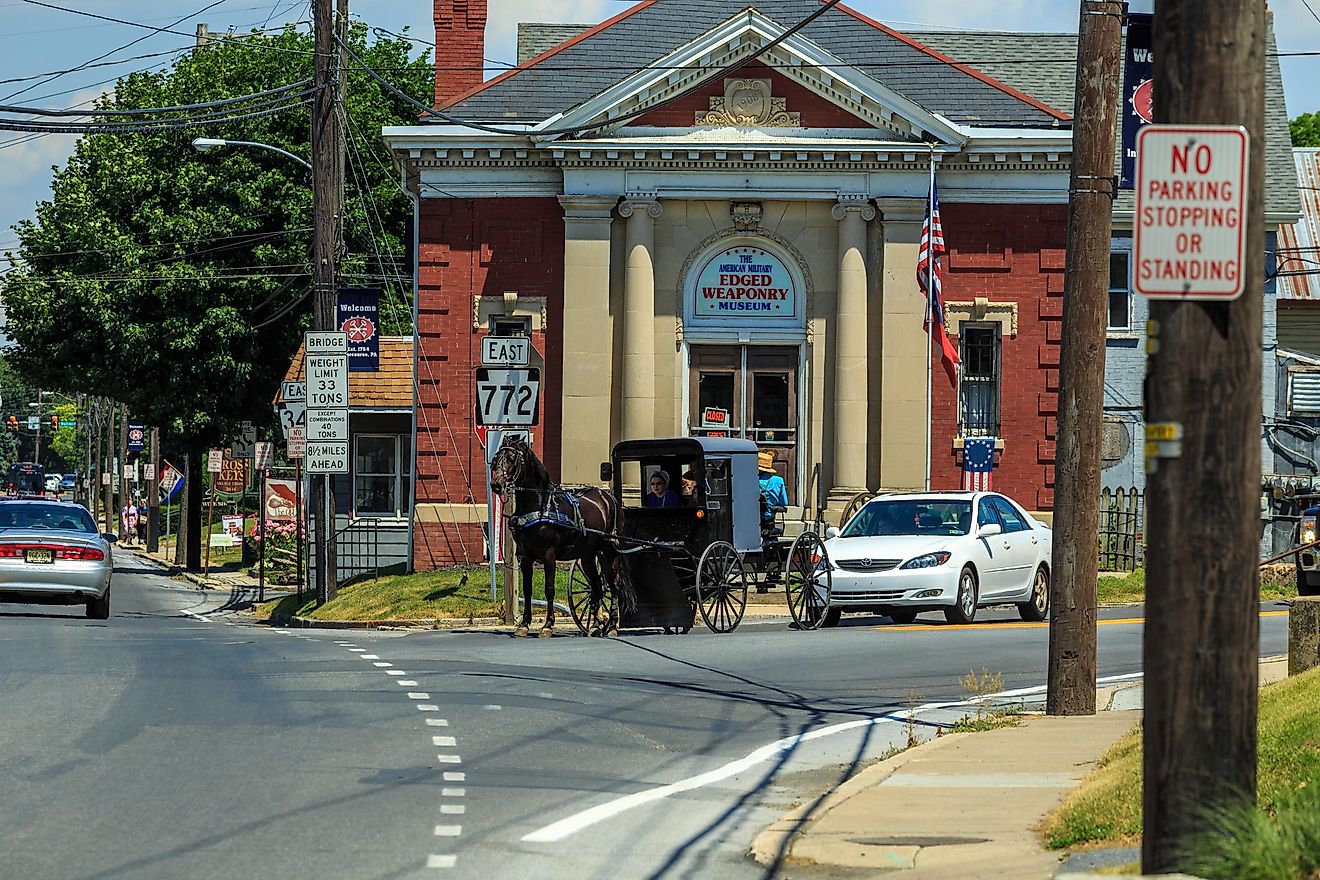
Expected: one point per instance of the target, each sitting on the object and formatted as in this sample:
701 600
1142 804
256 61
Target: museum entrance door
748 391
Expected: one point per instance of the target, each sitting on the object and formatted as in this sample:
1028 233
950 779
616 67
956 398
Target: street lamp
203 145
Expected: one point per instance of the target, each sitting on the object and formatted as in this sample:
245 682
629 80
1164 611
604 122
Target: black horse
551 523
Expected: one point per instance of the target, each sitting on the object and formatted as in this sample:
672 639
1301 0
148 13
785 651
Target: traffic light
12 423
54 423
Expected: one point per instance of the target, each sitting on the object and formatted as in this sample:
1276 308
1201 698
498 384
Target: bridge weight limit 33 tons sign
1191 220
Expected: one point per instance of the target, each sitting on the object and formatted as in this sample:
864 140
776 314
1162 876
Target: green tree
178 282
1305 130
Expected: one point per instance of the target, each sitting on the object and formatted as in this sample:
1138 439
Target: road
176 741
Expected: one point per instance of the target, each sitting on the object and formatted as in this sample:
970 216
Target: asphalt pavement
179 740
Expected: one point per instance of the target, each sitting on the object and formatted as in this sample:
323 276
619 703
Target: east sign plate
1191 211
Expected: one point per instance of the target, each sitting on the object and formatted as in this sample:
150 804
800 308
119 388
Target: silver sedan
51 553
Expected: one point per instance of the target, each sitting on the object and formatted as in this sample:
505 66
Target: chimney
460 47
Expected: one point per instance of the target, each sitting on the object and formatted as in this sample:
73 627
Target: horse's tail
623 582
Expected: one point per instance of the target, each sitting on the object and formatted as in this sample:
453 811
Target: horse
552 523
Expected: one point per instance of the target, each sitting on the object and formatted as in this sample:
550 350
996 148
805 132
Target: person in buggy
774 500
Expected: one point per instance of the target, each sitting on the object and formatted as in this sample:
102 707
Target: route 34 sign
508 398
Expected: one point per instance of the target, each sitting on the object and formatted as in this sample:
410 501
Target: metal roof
1299 243
682 446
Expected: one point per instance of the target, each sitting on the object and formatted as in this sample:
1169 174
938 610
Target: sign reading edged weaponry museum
745 282
1191 219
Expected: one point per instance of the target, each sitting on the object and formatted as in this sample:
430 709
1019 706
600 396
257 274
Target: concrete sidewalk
961 806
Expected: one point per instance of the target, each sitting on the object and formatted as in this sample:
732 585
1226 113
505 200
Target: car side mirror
606 472
989 530
111 537
832 532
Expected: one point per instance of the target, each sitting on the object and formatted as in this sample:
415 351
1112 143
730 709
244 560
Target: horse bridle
511 474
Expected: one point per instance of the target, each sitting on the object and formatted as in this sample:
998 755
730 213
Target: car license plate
39 555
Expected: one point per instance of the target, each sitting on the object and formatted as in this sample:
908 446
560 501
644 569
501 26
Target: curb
420 624
774 844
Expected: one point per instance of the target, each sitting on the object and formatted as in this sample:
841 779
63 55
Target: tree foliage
1305 130
178 282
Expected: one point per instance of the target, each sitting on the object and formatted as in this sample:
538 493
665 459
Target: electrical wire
147 126
623 117
138 111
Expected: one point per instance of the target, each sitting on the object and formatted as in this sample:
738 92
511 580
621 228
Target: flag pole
930 287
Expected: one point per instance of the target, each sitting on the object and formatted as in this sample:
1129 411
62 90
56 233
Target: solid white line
427 707
283 632
453 792
449 759
441 861
444 741
452 809
437 722
571 825
404 683
448 830
415 695
456 777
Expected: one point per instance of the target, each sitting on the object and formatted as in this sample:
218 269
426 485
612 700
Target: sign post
214 462
265 459
326 369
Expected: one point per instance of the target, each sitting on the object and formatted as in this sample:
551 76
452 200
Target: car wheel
831 617
1037 608
903 618
963 610
99 609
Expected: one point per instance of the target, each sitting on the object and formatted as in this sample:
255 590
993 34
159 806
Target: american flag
928 279
978 463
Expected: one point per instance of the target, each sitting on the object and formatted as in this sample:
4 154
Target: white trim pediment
896 117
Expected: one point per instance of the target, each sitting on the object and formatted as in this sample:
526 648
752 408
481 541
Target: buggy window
717 477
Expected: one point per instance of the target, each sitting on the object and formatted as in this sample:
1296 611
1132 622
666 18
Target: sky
37 39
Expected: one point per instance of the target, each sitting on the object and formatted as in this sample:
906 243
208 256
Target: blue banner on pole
1137 108
137 437
359 317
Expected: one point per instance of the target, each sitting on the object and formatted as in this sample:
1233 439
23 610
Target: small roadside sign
326 457
265 455
327 381
327 424
244 443
214 460
130 472
291 414
137 437
233 477
1191 217
506 351
508 397
297 445
148 472
325 342
293 391
33 423
68 423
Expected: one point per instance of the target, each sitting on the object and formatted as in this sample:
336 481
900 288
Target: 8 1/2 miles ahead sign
1191 211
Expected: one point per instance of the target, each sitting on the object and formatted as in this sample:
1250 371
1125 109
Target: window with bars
382 467
1120 291
978 387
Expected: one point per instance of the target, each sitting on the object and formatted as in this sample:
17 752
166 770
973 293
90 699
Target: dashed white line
358 650
453 809
437 722
448 830
381 664
449 759
493 708
403 683
395 672
370 656
441 861
453 792
456 776
417 695
444 741
427 707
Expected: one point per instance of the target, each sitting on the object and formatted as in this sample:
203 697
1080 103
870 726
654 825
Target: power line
157 124
139 111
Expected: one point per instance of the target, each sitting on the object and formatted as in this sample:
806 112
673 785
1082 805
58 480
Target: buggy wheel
579 599
858 501
808 581
721 587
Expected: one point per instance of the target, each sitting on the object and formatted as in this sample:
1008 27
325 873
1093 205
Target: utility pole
153 495
36 452
108 474
327 210
1091 191
1203 506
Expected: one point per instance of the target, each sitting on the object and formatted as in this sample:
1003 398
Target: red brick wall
816 111
460 38
1008 253
468 248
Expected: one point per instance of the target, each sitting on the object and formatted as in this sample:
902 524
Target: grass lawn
1130 589
1106 808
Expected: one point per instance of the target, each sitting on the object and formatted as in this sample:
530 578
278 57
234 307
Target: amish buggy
695 550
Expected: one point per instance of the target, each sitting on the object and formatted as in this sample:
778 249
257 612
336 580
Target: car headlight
930 560
1308 531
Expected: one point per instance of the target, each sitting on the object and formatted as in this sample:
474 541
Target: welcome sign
745 282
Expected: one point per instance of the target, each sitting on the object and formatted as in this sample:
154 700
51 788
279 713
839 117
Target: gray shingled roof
585 69
1043 66
537 37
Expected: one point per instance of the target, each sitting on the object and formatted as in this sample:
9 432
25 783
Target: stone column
585 427
639 317
904 347
850 343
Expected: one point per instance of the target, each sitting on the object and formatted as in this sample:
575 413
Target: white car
905 553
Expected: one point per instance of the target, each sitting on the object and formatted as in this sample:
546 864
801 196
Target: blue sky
35 39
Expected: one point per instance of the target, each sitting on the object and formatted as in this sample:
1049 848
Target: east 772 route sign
1191 211
508 398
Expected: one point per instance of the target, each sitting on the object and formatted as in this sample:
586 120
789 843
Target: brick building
605 192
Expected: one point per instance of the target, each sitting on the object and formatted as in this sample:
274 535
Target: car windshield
911 517
46 516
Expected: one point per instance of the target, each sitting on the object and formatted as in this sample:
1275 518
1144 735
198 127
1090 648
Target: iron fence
1122 529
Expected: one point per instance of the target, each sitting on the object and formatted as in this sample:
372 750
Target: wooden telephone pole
1091 191
1203 503
327 213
